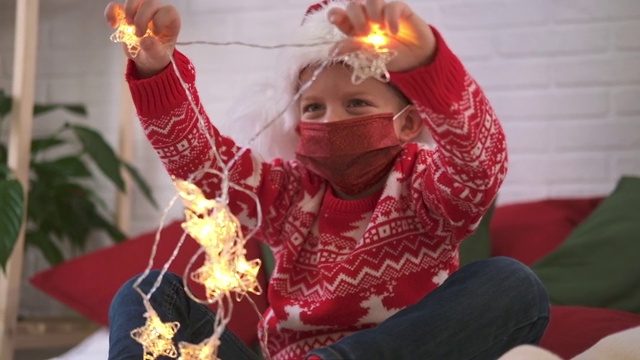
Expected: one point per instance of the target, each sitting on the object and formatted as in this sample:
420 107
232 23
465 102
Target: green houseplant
62 204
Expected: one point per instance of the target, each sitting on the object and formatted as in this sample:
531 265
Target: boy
364 224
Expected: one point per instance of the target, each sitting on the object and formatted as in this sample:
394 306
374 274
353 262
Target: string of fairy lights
225 274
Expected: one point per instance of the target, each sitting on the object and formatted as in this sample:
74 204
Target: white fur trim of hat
269 99
265 111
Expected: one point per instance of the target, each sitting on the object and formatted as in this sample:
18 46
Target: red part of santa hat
315 7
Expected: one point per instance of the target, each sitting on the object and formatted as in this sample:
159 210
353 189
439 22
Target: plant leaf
101 153
60 209
142 184
47 246
38 109
3 154
64 167
42 211
78 109
77 209
38 145
11 212
114 232
5 104
5 171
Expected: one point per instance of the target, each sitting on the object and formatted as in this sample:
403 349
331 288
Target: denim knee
516 271
506 274
127 293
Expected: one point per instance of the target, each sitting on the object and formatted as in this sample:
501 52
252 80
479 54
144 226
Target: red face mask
354 154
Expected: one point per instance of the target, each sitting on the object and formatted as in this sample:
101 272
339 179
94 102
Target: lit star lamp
371 61
126 34
156 336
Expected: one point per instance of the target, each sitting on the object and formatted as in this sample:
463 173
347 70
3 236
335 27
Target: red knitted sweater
343 266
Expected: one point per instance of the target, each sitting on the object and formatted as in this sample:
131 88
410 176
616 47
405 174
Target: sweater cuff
163 91
438 84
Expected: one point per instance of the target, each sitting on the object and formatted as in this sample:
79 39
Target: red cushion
528 231
88 283
574 329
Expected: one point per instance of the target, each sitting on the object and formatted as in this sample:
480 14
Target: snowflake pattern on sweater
344 266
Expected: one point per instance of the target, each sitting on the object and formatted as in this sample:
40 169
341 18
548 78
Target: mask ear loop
401 112
398 115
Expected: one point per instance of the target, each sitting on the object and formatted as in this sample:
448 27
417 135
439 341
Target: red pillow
528 231
88 283
574 329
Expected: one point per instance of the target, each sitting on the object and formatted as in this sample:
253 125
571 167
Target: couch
585 251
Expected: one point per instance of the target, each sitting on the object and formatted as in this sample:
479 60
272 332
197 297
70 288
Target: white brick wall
563 75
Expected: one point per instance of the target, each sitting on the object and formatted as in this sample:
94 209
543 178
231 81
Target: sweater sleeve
189 145
461 177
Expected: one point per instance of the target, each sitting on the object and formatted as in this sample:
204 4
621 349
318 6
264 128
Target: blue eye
311 108
357 103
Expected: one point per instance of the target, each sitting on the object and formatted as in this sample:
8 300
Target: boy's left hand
410 36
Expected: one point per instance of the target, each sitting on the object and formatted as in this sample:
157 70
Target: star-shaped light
126 34
248 273
368 63
373 59
156 336
217 277
213 228
222 276
206 350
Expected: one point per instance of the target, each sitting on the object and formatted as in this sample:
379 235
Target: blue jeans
480 312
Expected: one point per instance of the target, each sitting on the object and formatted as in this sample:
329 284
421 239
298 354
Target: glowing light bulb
192 197
209 222
219 278
213 230
156 336
206 350
376 37
126 34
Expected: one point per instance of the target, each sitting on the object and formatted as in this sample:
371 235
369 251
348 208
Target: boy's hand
410 36
164 23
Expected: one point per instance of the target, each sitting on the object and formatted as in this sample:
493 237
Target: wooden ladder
39 333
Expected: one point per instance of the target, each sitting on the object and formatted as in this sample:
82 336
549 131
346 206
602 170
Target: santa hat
266 110
272 110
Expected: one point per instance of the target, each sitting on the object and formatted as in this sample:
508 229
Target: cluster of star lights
225 270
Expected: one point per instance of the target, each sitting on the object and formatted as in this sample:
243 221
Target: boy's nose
334 114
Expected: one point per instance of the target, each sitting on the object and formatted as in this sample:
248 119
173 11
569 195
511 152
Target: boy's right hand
163 21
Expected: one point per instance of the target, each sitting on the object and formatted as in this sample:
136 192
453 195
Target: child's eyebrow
309 97
357 93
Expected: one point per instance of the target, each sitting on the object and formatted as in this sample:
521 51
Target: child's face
333 97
